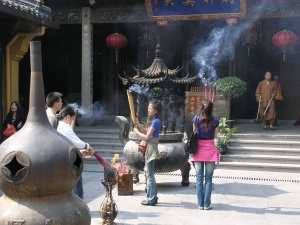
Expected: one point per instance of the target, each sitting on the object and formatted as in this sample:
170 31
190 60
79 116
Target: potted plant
224 136
230 88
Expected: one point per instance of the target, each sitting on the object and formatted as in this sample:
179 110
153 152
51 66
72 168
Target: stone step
109 152
264 143
93 160
273 159
287 168
263 151
79 131
259 136
108 146
99 138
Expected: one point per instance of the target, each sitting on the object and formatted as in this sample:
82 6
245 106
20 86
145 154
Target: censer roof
157 73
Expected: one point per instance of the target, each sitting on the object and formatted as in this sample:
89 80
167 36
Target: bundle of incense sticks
131 106
102 161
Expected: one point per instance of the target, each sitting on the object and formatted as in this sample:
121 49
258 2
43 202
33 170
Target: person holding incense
150 134
265 93
66 117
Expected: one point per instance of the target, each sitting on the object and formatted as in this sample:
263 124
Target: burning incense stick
102 161
131 106
205 90
209 90
213 93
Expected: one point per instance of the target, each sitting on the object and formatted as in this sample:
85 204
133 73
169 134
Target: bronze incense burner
171 147
40 167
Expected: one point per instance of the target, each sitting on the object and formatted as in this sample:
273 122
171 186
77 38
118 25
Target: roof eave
25 16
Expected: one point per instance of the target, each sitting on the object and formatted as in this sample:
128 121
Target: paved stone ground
238 197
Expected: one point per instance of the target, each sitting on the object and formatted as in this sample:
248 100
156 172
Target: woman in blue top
151 134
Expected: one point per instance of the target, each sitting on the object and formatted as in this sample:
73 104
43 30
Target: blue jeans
204 194
151 183
78 189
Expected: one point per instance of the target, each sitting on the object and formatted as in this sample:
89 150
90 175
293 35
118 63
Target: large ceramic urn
40 167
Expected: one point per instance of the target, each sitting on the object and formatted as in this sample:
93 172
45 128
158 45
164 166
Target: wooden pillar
87 65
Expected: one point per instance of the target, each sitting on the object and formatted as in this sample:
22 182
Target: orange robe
267 90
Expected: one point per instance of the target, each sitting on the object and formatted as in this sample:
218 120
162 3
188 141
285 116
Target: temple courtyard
239 197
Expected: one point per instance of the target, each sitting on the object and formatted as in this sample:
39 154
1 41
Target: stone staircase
105 142
249 151
261 152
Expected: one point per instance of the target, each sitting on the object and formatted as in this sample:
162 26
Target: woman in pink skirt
207 153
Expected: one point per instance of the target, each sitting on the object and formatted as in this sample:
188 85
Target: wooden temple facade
64 53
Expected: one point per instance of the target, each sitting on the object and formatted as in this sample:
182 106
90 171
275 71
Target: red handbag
9 131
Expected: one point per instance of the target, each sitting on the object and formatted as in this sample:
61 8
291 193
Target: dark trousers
78 189
277 110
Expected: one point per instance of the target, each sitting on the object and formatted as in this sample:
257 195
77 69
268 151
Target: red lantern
116 41
284 39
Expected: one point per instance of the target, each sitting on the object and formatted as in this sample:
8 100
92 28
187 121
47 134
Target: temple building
78 62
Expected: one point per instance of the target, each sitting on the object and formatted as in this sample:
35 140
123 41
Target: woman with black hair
66 117
150 134
15 116
207 153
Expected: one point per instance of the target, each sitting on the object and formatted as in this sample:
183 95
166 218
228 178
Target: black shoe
265 128
272 128
144 202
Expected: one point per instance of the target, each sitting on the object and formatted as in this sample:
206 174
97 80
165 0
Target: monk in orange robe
265 91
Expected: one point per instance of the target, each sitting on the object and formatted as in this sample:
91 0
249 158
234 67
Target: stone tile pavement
238 197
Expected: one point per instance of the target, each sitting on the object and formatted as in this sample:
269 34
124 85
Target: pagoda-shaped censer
171 147
40 167
157 73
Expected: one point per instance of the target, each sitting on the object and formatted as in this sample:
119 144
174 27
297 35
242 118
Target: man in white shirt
54 104
67 116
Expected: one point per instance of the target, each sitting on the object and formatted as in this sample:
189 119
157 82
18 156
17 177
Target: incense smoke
220 45
142 90
97 108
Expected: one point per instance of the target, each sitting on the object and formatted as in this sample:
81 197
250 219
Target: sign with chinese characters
194 101
195 9
193 104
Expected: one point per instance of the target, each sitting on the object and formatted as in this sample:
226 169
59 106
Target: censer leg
185 173
135 173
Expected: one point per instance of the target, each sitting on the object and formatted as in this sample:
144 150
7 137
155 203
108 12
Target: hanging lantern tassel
117 54
283 51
